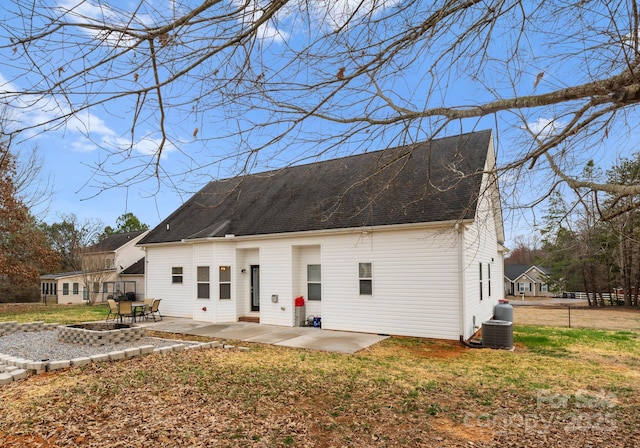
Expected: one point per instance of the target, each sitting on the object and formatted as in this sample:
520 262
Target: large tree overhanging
263 75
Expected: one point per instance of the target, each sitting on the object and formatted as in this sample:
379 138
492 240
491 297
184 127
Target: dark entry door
255 288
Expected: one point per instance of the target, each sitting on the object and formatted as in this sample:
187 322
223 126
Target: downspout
461 286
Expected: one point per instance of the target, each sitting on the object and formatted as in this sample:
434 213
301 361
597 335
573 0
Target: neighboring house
527 280
406 241
107 269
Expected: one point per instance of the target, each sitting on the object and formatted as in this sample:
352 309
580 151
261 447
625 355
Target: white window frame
203 282
177 273
364 279
314 282
224 282
527 287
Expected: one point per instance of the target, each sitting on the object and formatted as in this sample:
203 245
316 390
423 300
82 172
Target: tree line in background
591 242
29 247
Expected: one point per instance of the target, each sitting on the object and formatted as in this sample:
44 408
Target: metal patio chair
113 309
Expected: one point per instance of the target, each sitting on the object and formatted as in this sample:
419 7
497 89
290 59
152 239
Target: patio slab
295 337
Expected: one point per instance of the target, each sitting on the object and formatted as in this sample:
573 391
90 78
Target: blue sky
71 153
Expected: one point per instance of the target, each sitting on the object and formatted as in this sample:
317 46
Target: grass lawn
62 314
559 387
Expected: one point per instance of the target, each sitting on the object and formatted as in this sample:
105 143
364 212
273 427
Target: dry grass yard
560 387
609 318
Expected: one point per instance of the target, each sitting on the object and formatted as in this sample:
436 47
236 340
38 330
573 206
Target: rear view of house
405 241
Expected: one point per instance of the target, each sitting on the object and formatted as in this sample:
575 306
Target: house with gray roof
112 267
526 280
405 240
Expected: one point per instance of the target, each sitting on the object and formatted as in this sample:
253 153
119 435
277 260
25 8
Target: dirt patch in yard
614 318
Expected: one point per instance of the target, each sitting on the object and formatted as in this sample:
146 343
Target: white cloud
338 13
147 145
545 127
87 12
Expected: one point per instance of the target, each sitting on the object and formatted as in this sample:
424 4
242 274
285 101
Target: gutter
265 236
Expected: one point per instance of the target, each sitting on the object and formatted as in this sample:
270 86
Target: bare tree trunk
586 284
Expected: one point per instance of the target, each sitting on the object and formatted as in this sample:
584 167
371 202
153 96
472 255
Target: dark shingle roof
136 268
513 271
115 241
424 182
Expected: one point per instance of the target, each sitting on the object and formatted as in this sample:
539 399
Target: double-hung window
224 281
204 290
314 285
365 276
65 289
176 274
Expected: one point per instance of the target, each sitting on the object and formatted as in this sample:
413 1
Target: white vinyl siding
480 246
415 276
425 280
303 256
177 298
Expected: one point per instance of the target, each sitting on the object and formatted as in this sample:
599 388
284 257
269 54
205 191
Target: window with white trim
224 281
76 288
544 287
365 277
176 274
65 289
314 285
524 287
202 280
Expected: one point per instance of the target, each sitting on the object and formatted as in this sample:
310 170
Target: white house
114 264
405 241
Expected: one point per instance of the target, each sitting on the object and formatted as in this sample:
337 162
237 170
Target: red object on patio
299 301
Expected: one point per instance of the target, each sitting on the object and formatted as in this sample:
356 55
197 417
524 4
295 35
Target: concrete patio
296 337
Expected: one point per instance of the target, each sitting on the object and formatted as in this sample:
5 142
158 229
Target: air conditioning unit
497 334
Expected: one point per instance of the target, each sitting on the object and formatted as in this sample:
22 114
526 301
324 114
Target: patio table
135 306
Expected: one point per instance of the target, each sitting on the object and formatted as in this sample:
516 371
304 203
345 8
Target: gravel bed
44 345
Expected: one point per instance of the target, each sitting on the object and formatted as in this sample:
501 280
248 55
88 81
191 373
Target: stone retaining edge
13 368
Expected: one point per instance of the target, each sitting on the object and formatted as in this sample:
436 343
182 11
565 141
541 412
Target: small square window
176 275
